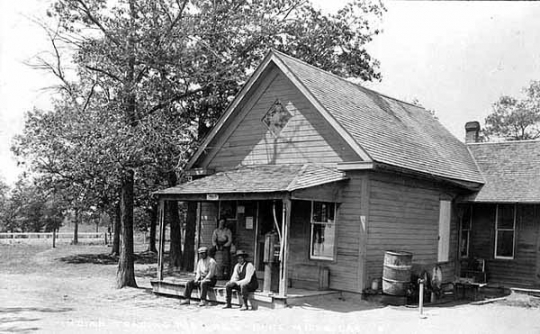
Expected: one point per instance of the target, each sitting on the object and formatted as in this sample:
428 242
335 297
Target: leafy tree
516 119
152 77
31 209
55 146
6 212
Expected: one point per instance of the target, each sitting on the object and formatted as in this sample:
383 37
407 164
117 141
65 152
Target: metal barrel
396 272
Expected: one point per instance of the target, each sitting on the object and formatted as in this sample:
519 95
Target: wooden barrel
396 272
220 258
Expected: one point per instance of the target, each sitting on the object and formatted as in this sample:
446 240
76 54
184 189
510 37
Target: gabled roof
378 128
259 179
390 131
511 170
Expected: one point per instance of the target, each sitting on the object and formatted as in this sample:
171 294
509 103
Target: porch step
175 287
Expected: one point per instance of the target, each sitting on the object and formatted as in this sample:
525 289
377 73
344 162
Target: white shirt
222 235
250 270
206 268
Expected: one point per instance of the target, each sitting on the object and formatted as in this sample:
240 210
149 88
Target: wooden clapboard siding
306 138
345 271
207 223
404 216
521 271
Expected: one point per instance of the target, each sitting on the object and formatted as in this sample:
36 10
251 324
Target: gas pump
271 247
271 260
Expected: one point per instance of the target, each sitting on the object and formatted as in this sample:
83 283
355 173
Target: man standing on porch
205 277
243 279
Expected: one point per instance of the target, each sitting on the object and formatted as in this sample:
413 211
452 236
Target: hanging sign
212 197
249 223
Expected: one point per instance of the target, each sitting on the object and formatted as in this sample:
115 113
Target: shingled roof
390 131
259 179
511 170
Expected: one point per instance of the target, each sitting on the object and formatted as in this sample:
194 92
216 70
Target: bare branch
87 102
110 75
182 7
56 69
91 17
176 98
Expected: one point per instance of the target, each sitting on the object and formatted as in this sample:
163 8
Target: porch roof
258 179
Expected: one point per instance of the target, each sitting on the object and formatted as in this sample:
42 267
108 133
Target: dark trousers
244 290
204 285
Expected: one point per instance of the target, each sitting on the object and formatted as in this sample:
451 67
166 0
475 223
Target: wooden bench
472 277
217 294
467 290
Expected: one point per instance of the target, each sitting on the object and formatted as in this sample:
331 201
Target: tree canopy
150 78
516 119
29 208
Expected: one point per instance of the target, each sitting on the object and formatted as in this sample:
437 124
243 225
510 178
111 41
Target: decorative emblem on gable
276 118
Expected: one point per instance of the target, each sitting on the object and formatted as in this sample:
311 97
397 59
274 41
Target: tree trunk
173 218
76 228
153 224
117 229
189 243
175 246
125 276
98 221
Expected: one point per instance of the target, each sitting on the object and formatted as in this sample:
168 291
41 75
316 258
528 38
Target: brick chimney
472 130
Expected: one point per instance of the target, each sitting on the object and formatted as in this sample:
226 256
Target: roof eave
374 166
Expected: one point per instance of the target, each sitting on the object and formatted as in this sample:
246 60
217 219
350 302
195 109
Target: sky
456 58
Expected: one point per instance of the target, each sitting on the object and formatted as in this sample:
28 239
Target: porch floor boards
175 285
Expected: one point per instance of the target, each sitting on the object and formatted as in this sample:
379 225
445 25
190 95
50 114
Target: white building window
505 230
323 230
465 232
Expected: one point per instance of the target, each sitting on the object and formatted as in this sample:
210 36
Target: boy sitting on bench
205 277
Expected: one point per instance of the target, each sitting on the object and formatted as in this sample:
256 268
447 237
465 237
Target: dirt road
40 293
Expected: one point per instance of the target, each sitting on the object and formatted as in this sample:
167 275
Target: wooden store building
331 175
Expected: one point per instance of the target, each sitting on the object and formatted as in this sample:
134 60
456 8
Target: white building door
445 211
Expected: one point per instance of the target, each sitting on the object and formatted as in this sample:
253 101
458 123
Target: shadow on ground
9 317
341 305
145 257
16 310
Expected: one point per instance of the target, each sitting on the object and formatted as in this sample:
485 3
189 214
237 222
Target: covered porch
283 216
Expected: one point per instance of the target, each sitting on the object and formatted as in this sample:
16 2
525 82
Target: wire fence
63 237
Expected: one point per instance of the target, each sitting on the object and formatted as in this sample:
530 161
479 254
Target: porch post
197 234
161 246
283 265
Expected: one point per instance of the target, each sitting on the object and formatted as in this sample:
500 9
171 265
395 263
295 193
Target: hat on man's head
241 253
202 250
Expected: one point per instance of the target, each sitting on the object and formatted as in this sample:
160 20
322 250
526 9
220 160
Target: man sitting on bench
243 279
205 277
